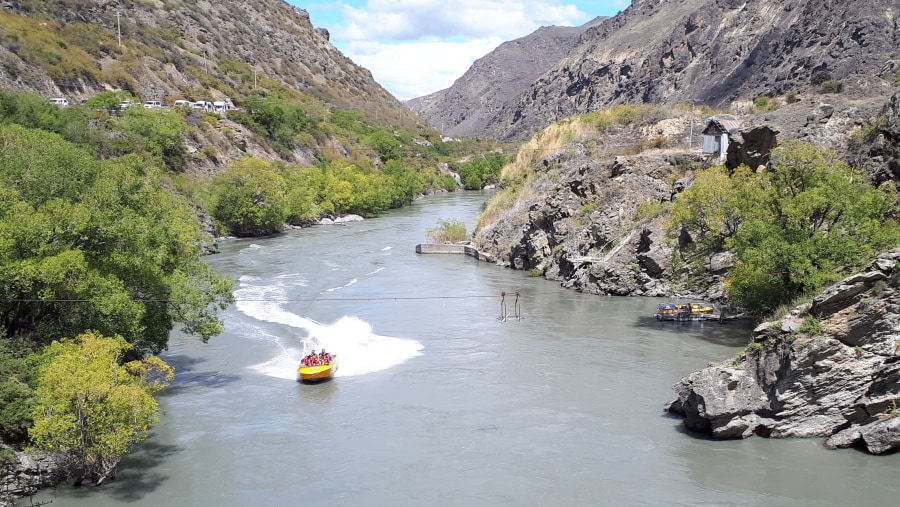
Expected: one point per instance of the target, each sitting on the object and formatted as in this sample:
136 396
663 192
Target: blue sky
417 47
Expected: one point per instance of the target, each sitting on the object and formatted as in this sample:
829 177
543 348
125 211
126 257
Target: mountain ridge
713 52
465 108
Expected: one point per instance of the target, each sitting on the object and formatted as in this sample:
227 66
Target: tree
91 408
386 145
98 246
794 230
16 392
249 199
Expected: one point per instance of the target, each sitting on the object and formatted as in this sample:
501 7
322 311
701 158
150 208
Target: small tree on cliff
91 407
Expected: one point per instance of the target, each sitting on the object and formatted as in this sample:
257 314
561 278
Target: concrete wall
433 248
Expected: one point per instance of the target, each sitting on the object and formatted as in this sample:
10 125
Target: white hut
716 136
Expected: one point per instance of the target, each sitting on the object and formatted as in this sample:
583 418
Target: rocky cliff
465 108
828 369
714 52
585 217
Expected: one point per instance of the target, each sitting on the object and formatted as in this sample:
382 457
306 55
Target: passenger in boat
311 360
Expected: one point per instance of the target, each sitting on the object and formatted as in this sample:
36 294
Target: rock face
465 108
578 223
884 150
25 475
830 369
714 52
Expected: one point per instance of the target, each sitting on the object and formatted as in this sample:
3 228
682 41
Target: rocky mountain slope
465 108
714 52
193 49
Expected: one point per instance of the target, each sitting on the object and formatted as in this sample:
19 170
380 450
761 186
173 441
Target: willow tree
92 407
249 198
807 223
86 244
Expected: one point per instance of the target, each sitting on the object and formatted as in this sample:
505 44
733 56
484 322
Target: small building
716 135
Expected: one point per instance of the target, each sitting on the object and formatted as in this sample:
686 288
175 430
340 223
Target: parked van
202 104
220 106
59 101
182 103
152 104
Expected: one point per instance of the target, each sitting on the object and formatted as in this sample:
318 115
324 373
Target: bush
832 87
821 222
448 231
819 77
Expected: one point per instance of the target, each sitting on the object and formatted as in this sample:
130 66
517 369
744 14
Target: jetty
453 248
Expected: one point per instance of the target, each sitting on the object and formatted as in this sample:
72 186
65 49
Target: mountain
191 49
465 108
713 52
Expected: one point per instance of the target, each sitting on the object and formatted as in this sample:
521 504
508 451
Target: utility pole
119 27
691 135
254 78
205 63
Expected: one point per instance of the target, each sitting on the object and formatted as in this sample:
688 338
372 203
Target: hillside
712 52
192 49
465 108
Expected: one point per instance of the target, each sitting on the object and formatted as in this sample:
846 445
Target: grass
892 411
46 43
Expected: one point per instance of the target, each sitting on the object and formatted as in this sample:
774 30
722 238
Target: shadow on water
137 475
186 377
680 427
710 330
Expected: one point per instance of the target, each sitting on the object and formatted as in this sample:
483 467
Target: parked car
153 104
59 101
202 104
182 103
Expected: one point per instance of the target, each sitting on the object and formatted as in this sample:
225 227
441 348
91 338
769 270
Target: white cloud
417 47
403 20
415 69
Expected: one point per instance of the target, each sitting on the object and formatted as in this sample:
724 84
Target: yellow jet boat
317 372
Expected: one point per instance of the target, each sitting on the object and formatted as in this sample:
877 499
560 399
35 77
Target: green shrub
792 249
832 87
448 231
812 326
819 77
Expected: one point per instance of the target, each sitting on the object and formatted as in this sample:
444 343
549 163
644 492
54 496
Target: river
440 402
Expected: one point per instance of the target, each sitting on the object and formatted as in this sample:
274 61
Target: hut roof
722 123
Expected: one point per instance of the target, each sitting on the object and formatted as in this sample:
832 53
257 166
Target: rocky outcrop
829 369
714 52
884 148
579 221
26 474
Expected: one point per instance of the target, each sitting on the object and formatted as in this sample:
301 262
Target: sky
417 47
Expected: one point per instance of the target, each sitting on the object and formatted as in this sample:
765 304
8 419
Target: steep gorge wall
713 52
